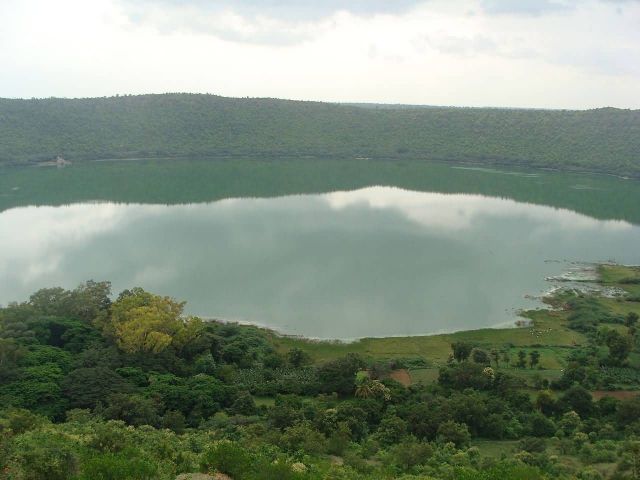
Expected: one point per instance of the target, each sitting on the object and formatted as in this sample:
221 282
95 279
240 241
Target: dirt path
402 376
619 394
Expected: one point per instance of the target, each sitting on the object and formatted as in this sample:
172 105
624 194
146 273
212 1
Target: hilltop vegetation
130 388
178 125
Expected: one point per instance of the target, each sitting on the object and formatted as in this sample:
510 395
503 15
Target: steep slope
603 140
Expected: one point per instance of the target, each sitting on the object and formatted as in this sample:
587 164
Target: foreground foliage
132 388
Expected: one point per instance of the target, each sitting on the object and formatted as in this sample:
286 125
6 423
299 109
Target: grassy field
506 448
547 333
626 278
615 274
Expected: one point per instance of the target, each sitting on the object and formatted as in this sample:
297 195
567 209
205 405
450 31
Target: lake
360 262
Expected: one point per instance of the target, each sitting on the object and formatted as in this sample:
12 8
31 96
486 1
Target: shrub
456 433
44 455
228 458
532 444
411 453
541 426
303 436
123 465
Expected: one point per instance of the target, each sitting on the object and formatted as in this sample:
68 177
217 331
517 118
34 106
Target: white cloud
562 54
449 213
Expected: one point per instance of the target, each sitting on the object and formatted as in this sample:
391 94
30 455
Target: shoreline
289 157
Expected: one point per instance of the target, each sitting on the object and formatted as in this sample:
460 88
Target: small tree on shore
461 350
506 358
534 358
495 355
522 359
480 357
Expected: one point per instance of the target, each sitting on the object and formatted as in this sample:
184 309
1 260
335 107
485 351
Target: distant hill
174 125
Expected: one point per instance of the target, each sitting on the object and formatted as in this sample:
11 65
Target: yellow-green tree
144 322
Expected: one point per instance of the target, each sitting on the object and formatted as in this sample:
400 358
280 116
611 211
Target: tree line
181 125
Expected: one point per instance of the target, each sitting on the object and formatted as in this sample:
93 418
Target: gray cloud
462 46
608 61
525 7
538 7
291 10
260 22
478 44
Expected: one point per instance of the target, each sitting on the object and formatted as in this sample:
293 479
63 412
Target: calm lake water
373 261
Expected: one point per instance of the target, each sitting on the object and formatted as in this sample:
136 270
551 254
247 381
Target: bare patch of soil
402 376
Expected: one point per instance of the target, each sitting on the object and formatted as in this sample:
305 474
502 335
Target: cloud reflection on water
371 262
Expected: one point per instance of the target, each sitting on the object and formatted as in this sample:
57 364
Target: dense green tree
534 358
86 387
10 354
339 375
228 458
287 411
464 375
244 404
305 438
424 418
628 411
619 347
174 420
392 429
131 408
631 319
541 426
38 389
410 453
495 356
546 402
45 455
522 359
461 350
481 357
143 322
456 433
579 400
297 357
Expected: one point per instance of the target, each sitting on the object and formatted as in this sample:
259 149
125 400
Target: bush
541 426
411 453
391 430
123 465
45 455
111 436
304 437
244 404
456 433
20 420
600 452
228 458
532 445
266 470
174 420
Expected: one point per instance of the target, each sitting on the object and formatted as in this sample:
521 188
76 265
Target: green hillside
603 140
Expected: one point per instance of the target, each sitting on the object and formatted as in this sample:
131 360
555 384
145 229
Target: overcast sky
516 53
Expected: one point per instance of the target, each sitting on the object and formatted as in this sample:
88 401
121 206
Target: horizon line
389 105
